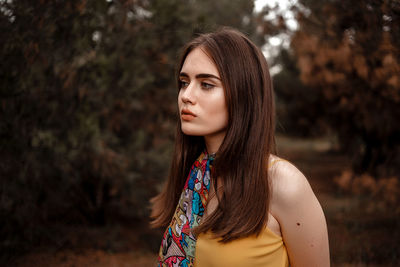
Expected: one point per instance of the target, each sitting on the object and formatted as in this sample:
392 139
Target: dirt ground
360 233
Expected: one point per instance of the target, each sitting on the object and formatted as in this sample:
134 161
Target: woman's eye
207 86
183 84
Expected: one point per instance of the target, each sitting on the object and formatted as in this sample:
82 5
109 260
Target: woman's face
201 98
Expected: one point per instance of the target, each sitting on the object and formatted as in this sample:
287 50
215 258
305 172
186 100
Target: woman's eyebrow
206 75
183 74
201 75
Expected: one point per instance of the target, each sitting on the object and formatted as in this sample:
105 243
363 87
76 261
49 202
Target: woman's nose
188 94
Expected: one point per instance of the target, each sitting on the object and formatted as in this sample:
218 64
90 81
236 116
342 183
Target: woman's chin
192 132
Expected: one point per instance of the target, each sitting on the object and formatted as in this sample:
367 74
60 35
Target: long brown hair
241 163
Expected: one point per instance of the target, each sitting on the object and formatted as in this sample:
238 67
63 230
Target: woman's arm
300 216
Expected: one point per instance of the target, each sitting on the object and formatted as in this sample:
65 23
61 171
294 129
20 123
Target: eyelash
207 86
183 84
204 85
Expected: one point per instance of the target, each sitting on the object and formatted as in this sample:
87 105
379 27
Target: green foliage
88 107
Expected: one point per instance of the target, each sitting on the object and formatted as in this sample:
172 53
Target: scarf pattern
179 244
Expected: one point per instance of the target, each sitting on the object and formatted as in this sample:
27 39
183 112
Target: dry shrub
364 184
384 191
344 181
389 189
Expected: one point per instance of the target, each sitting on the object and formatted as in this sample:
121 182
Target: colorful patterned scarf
178 244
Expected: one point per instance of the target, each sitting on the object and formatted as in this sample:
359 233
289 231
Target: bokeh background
88 112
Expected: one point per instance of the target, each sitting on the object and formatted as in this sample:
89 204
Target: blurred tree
88 107
298 108
347 54
294 117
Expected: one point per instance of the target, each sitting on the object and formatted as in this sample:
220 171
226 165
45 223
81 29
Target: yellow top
266 250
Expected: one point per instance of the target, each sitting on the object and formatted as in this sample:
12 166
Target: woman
228 200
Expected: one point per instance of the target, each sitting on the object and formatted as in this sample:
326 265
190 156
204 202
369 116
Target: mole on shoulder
298 223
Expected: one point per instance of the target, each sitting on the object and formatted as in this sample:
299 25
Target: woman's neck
213 142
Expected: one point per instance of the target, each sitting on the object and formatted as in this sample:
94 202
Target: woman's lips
187 115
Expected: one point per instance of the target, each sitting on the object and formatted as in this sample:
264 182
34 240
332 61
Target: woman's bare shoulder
288 183
299 214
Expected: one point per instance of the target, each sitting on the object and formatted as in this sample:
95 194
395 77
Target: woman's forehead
198 61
